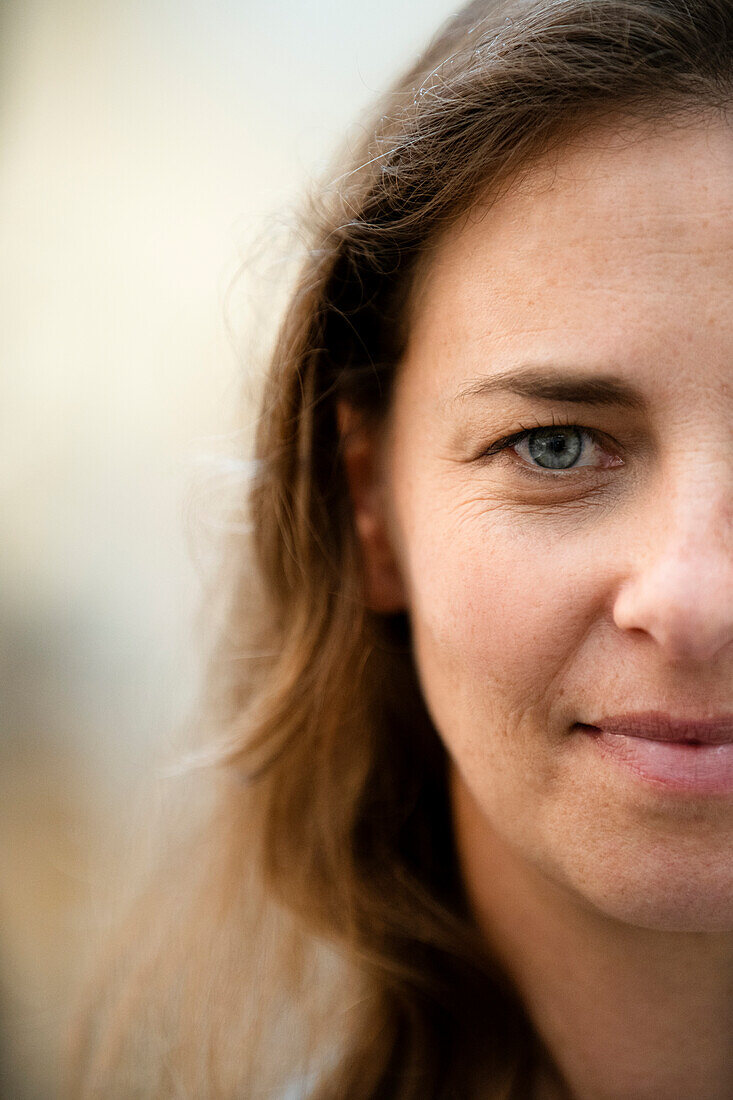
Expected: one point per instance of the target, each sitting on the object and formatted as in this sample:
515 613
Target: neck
625 1013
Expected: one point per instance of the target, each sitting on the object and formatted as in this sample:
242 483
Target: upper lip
658 726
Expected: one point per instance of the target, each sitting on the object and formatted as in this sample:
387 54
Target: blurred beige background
149 147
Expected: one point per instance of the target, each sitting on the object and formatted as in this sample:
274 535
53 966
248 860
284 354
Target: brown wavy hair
313 927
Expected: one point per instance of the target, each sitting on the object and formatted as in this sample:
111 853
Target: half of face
551 500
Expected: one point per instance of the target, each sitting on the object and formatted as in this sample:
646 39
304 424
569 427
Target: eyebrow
548 384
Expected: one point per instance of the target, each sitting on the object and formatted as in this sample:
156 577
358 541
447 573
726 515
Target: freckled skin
540 599
539 603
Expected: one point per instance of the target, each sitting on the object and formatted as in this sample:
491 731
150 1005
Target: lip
655 725
693 755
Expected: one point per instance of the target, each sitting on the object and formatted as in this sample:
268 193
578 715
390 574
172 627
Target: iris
555 448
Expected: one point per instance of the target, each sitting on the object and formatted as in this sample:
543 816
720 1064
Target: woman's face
579 575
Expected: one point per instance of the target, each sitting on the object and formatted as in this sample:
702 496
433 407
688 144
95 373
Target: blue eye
557 447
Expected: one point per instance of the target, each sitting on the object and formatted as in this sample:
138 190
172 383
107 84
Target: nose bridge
680 586
697 514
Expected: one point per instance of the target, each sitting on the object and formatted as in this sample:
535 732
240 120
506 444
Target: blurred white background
146 145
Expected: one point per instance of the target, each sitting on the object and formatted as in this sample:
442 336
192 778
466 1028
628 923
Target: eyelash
509 441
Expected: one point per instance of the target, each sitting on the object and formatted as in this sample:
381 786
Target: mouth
678 754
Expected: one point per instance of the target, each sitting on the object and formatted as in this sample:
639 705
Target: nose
679 590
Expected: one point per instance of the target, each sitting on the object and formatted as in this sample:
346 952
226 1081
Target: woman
472 830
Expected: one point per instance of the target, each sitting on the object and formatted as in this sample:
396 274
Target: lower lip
675 765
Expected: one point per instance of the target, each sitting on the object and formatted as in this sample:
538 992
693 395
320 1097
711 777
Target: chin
650 861
672 899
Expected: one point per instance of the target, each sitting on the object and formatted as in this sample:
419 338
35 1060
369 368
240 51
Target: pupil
555 448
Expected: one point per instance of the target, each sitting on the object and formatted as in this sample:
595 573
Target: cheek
495 612
501 606
485 678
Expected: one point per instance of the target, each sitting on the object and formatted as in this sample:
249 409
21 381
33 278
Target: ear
384 590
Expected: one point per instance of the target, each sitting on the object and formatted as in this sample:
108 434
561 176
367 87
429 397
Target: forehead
620 246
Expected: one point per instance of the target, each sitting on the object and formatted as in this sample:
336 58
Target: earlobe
383 586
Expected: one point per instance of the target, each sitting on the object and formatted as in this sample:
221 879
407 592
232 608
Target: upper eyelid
515 437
